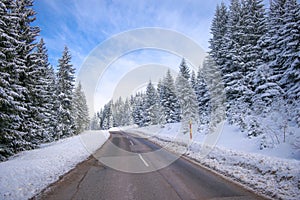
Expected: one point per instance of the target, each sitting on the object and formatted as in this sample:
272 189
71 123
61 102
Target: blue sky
84 24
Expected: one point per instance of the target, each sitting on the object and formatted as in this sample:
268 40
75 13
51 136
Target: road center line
143 160
131 142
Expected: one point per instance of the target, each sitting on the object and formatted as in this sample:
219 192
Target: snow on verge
272 176
27 173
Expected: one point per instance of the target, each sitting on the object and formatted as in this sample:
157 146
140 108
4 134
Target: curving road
180 180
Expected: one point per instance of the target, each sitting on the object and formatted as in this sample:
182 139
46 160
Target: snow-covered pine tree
27 33
252 28
193 79
41 87
126 113
80 110
169 101
117 109
184 69
52 105
232 74
218 30
216 92
289 41
107 116
138 109
265 92
17 43
187 100
203 97
65 83
151 106
95 123
100 118
269 42
11 106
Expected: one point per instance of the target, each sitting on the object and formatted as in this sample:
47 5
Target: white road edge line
143 160
131 142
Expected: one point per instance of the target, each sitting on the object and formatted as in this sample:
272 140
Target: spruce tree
289 59
11 107
216 93
218 30
188 102
169 100
151 107
65 83
184 69
232 74
80 110
138 109
202 95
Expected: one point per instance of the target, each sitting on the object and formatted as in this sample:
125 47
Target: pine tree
216 92
251 30
107 120
41 87
126 113
95 122
184 69
12 108
188 102
266 90
65 82
52 105
202 95
168 99
17 44
138 109
232 74
290 57
80 110
151 107
193 80
117 109
218 30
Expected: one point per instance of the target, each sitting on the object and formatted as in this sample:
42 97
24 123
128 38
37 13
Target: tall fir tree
232 74
11 109
218 30
184 69
252 28
169 100
289 40
151 113
202 95
187 100
41 87
65 83
216 92
138 109
80 110
18 131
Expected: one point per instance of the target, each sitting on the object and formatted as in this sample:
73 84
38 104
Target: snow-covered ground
273 172
27 173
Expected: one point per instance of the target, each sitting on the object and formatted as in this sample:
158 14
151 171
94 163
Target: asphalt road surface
138 178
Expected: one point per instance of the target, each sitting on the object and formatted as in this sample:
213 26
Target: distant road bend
180 180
